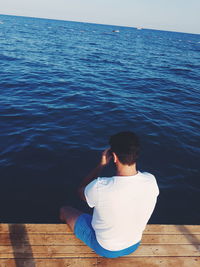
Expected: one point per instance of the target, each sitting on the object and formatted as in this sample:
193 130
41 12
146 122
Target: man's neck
126 170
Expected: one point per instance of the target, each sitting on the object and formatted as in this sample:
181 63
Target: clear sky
172 15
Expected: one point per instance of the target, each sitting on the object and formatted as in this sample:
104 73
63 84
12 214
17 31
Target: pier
54 245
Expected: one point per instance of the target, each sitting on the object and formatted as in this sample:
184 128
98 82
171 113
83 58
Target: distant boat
115 31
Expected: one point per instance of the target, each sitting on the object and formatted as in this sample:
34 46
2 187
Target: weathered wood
70 239
75 262
64 229
54 245
84 251
100 262
150 262
36 228
172 229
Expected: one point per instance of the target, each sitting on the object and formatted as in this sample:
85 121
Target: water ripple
66 87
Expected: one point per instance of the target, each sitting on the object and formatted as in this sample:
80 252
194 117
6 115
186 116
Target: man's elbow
81 193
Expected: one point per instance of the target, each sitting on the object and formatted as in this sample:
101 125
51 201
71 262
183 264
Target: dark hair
126 146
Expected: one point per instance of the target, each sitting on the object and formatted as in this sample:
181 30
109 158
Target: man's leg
69 215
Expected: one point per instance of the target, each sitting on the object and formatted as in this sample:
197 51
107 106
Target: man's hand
106 157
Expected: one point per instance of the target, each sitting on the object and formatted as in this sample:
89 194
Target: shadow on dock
22 251
191 238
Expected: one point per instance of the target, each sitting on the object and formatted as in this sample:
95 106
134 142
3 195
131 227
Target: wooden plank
63 228
167 250
150 262
84 251
102 262
35 228
40 239
79 262
172 229
70 239
170 239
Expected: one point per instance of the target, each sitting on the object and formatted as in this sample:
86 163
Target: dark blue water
66 87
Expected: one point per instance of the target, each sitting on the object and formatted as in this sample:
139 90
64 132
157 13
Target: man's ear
114 157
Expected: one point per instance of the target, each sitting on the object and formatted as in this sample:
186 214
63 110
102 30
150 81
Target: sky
171 15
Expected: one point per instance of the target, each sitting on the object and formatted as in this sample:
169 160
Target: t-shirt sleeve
156 186
153 180
91 193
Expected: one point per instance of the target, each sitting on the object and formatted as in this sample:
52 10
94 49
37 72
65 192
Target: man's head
126 147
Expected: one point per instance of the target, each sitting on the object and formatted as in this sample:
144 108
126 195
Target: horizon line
88 22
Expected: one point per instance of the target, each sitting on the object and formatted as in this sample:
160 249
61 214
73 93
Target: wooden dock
45 245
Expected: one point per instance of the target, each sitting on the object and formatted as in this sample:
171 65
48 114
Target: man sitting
122 204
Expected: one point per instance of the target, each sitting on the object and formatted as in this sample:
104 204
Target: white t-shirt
122 208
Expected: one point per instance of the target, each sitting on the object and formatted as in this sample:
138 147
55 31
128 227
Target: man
122 204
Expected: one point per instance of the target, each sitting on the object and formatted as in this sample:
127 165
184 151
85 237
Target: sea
66 87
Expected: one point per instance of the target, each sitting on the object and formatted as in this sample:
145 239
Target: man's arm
105 159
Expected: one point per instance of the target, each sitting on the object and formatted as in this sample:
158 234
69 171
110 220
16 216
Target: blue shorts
84 231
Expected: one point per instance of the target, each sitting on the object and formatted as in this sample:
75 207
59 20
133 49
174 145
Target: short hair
126 146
